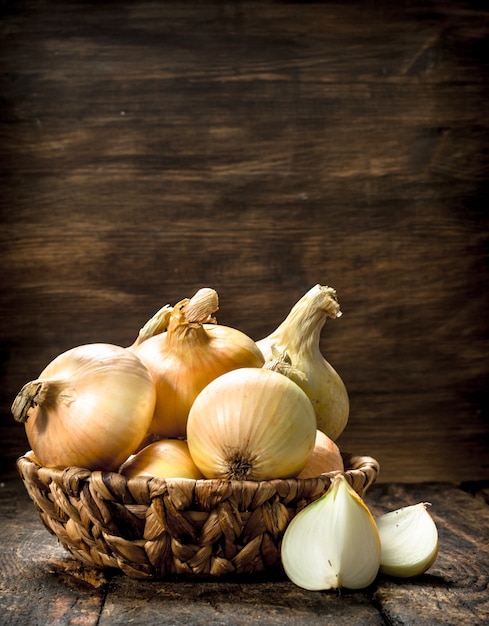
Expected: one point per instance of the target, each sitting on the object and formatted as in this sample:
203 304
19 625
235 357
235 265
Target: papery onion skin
294 349
166 458
91 407
333 542
184 360
326 457
409 539
251 424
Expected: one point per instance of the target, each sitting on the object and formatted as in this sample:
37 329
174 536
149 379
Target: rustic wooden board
148 149
40 583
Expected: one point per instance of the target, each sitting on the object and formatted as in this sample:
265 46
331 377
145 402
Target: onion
188 356
409 539
325 457
166 458
333 542
294 349
251 424
90 407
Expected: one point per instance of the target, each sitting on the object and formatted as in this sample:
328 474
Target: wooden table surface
41 584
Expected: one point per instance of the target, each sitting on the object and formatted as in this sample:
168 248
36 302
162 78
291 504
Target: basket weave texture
155 528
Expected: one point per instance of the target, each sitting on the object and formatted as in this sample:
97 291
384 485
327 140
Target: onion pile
192 399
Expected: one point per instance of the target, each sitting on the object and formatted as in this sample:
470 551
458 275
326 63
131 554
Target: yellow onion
326 457
294 349
190 354
165 458
90 407
251 424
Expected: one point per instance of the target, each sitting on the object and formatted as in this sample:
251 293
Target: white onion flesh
409 539
333 542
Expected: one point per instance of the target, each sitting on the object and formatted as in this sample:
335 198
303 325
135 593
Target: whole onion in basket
90 407
294 349
251 424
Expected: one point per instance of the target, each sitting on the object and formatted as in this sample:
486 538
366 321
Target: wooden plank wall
151 148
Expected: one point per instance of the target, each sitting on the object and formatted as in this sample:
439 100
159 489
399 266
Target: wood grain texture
148 149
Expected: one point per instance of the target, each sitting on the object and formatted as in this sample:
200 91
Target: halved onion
409 539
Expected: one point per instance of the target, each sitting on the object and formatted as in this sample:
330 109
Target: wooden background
152 148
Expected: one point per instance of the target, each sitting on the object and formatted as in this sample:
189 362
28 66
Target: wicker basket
153 528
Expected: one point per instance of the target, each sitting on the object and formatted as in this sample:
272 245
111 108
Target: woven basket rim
352 463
